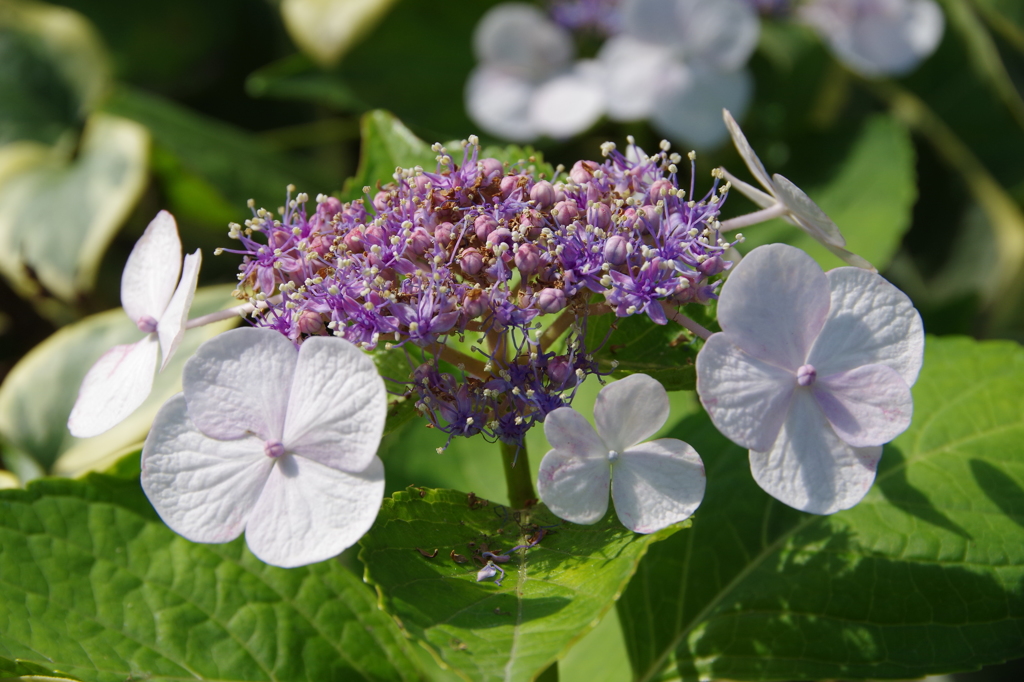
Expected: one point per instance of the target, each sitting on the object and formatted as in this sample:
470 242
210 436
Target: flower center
273 448
806 375
146 324
613 456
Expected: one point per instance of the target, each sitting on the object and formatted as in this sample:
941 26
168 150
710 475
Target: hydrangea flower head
158 303
812 372
653 484
276 441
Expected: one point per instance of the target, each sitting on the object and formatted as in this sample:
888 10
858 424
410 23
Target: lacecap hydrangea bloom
812 372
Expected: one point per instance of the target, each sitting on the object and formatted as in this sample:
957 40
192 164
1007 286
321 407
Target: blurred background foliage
113 109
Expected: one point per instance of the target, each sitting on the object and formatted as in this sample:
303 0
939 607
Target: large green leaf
870 198
15 670
37 395
59 212
96 585
925 575
552 594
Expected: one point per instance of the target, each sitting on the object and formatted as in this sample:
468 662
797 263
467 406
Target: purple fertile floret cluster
486 273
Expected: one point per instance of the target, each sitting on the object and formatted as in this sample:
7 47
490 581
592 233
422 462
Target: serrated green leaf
58 214
551 595
17 669
664 351
925 575
96 585
870 199
37 395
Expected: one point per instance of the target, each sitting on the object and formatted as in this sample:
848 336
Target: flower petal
571 102
689 109
807 215
114 387
866 406
850 258
747 152
760 198
746 398
636 71
809 467
171 327
238 382
870 322
309 512
204 489
574 488
630 410
657 484
151 272
499 103
337 406
569 431
774 303
521 39
717 34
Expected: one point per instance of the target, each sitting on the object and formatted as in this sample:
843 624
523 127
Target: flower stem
517 475
685 322
776 211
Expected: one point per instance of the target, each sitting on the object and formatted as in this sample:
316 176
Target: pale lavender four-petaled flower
812 372
271 440
653 484
158 303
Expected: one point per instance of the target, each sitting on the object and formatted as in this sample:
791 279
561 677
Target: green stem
517 476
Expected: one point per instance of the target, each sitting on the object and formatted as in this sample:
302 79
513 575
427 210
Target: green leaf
1006 17
58 212
53 71
552 594
387 145
870 198
37 395
18 669
236 164
925 575
639 346
96 585
326 29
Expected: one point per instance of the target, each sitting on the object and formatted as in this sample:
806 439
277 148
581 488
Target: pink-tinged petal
630 410
309 512
809 467
570 102
807 215
746 398
749 191
569 431
657 484
774 303
114 387
337 407
238 383
870 322
171 327
204 489
151 272
574 488
747 152
866 406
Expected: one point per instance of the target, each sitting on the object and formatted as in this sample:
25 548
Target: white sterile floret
654 484
811 372
795 207
877 37
272 440
158 303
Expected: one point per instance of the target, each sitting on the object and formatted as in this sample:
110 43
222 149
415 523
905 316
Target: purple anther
146 324
273 448
806 375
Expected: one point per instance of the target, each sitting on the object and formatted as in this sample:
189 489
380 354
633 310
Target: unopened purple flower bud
550 300
309 323
146 324
565 212
599 215
583 171
712 266
354 241
559 370
474 304
380 201
527 259
652 216
509 184
471 261
321 244
420 241
374 234
543 193
616 250
491 168
273 448
443 233
499 236
661 189
420 183
483 226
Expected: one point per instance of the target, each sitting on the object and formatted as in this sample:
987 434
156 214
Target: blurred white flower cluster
676 63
